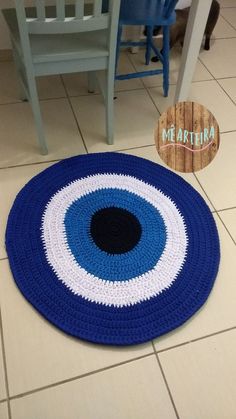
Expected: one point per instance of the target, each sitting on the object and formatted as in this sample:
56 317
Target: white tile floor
187 374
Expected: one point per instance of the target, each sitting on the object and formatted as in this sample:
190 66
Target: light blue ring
120 267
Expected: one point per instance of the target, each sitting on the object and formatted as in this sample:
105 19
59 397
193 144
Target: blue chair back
149 13
146 11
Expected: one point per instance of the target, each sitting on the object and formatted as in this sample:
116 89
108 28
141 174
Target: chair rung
139 74
133 43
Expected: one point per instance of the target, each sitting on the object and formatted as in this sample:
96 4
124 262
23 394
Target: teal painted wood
79 38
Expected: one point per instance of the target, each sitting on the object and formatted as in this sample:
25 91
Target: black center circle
115 230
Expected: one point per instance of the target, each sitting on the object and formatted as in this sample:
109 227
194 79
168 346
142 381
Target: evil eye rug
112 248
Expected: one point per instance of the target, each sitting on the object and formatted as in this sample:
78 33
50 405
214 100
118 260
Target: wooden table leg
199 12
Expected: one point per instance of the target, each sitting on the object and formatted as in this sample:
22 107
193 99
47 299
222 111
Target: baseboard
5 55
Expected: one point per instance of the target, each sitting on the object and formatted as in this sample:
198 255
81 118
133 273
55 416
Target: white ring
92 288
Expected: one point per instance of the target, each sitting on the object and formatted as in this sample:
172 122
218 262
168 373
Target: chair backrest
146 12
79 16
169 7
82 21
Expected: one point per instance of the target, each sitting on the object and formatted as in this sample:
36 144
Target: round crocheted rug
112 248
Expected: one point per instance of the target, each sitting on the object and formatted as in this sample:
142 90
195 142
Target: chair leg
37 114
91 81
22 91
110 107
119 35
165 53
148 45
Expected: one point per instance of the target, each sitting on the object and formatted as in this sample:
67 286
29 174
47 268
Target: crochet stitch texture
112 248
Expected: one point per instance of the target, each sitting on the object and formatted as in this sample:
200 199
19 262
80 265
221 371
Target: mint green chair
64 39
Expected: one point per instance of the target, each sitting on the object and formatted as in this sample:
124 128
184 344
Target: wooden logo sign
187 137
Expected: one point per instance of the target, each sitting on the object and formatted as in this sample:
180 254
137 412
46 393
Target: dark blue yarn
98 262
94 322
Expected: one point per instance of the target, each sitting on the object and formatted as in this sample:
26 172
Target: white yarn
92 288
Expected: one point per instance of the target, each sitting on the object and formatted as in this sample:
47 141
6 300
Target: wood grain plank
162 124
198 123
192 145
171 150
180 125
188 124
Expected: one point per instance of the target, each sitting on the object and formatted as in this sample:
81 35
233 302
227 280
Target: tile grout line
5 367
216 79
156 353
68 96
3 401
150 96
228 132
201 186
220 332
73 112
48 99
110 367
134 68
225 78
226 209
226 37
226 228
230 24
144 87
232 100
31 164
165 381
215 210
81 376
58 160
119 150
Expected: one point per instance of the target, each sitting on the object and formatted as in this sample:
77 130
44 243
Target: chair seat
46 48
50 48
148 13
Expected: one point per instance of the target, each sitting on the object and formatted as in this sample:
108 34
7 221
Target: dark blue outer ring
97 323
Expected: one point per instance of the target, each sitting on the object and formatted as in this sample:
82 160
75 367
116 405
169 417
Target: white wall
4 38
183 3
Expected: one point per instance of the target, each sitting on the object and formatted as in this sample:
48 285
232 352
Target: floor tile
230 15
175 58
229 85
229 219
38 354
135 120
150 153
219 178
3 411
2 377
221 53
11 182
209 94
18 143
223 29
77 84
218 313
227 3
201 377
48 87
131 391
